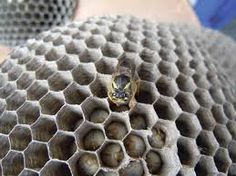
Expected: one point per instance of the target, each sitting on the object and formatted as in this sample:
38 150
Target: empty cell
222 160
185 83
90 55
55 53
7 65
113 50
119 27
51 103
106 173
28 113
76 94
133 168
188 151
95 41
134 145
67 62
207 144
116 37
15 159
187 102
167 86
188 125
148 72
62 146
95 110
106 65
116 129
34 63
7 121
75 47
229 110
36 155
55 168
4 146
168 69
14 73
151 44
231 125
134 36
84 74
228 93
218 114
45 71
85 165
222 135
20 137
24 80
232 151
131 60
59 80
99 87
167 54
69 118
167 108
217 95
3 79
206 119
44 129
150 56
201 81
28 173
146 92
61 40
42 49
129 46
111 155
37 90
203 98
154 162
2 106
184 67
205 166
158 137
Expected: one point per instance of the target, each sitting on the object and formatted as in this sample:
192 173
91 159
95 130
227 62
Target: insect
123 85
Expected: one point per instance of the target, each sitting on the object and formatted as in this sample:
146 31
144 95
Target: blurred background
23 19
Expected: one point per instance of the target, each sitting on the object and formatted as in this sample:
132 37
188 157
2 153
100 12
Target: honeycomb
23 19
56 119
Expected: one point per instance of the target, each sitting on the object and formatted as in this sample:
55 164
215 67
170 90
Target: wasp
123 85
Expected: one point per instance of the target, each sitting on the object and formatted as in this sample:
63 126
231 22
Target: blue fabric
215 13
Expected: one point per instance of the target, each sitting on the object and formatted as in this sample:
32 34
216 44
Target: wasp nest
56 119
23 19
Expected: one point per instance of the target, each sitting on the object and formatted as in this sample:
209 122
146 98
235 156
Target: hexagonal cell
20 137
36 155
203 98
41 49
134 35
218 114
106 173
187 102
232 151
154 162
185 170
133 168
222 160
67 62
55 168
231 125
206 166
95 110
7 121
229 111
217 95
222 135
167 86
95 41
84 74
13 159
106 65
207 143
129 46
167 108
75 47
151 44
45 71
185 83
206 119
62 146
134 145
228 93
169 69
99 86
59 80
150 56
7 90
37 90
142 117
111 155
148 72
112 49
130 59
28 113
51 103
201 81
4 146
188 125
24 81
28 173
61 40
35 63
3 78
15 100
188 151
69 118
116 128
55 53
14 73
232 170
84 164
